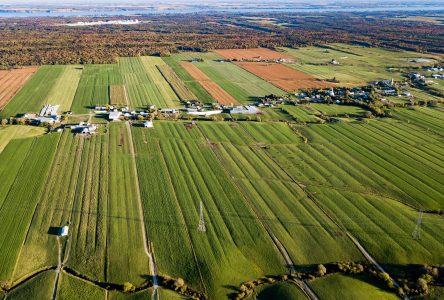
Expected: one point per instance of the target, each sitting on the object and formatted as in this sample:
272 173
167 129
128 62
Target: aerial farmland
296 173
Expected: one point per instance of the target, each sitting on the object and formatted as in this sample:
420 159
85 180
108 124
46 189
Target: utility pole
417 232
201 227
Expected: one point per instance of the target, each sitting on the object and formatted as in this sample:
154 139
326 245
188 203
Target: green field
39 287
71 287
283 291
54 208
145 84
337 286
64 90
229 249
21 193
94 86
8 133
357 64
34 93
124 223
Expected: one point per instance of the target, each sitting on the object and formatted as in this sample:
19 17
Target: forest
37 41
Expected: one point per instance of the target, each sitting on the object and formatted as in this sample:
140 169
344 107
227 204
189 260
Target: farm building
49 110
148 124
59 231
114 115
205 113
245 110
169 111
84 128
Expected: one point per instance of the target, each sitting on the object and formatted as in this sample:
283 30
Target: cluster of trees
37 41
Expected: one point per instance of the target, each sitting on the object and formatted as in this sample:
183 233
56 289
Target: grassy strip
19 205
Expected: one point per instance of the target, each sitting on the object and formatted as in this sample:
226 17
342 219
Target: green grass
235 247
90 208
338 286
39 287
64 90
299 114
384 157
293 218
430 119
338 110
275 114
94 86
145 84
358 64
8 133
129 263
33 94
54 209
282 291
20 202
71 287
144 295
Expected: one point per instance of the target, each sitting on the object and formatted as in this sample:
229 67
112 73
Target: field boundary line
107 206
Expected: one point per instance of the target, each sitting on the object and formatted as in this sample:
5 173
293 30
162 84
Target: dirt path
59 268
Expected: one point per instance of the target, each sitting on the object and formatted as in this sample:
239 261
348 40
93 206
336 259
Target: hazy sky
215 1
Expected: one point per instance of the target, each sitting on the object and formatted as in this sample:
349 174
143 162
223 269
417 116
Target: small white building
148 124
49 110
64 231
168 111
84 128
114 115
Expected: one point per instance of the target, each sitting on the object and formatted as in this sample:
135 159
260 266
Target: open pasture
388 158
338 286
430 119
252 53
282 76
64 90
125 226
229 249
8 133
94 87
383 223
357 64
210 86
11 81
145 84
19 203
32 96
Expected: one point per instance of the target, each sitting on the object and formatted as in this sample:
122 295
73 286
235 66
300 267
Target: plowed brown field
219 94
282 76
12 81
251 54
